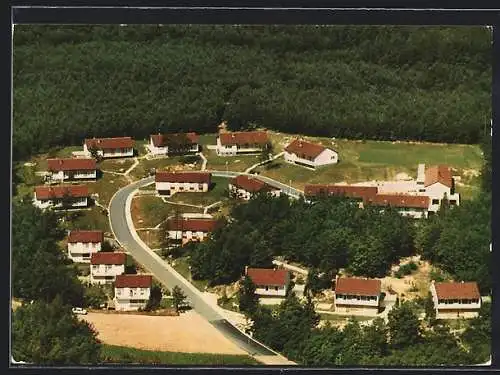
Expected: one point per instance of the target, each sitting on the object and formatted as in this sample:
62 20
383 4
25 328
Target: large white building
454 300
244 187
231 144
437 183
269 282
110 147
173 143
83 243
190 229
72 169
132 291
77 196
309 154
169 183
357 296
105 266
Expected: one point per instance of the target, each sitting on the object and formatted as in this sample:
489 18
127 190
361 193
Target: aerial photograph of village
232 195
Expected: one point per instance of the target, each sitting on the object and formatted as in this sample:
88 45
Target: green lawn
121 354
207 139
90 219
371 160
107 186
161 164
217 192
152 211
234 163
116 165
139 146
182 266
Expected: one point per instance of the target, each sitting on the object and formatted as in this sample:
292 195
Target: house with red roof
244 187
310 155
437 183
357 296
74 196
173 143
356 193
234 143
415 206
269 282
190 229
169 183
118 147
83 243
454 300
132 291
72 169
105 266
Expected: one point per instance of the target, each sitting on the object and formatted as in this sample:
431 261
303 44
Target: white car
79 311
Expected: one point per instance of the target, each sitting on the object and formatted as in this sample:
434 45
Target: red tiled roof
465 290
250 184
49 192
110 143
194 225
265 276
133 281
357 287
300 147
71 164
242 138
399 200
85 236
108 258
160 140
438 173
346 190
196 177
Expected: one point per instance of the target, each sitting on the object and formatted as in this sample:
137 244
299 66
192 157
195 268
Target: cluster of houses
363 296
420 198
131 291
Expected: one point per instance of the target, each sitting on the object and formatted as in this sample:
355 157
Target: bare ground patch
187 333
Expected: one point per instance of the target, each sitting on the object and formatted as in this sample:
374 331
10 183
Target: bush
299 280
189 159
413 266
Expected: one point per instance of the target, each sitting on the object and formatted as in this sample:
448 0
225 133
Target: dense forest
419 83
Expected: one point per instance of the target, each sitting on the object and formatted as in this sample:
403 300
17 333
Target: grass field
373 160
207 139
91 219
161 164
182 266
149 211
121 354
215 194
150 238
234 163
116 165
107 186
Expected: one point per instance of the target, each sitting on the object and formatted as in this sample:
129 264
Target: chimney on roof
246 270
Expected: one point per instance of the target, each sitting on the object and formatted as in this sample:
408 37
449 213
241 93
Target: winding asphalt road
123 229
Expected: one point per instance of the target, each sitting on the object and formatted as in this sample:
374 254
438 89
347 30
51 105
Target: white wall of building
130 299
79 175
116 153
181 187
270 290
187 235
326 157
80 252
105 273
454 310
234 150
46 203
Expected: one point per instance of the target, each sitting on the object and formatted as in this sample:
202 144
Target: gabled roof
110 143
93 236
160 140
463 290
242 138
438 173
300 147
251 184
108 258
49 192
194 225
196 177
357 287
399 200
342 190
75 164
133 281
267 276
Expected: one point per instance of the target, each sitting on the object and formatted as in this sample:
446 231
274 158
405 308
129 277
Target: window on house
453 202
200 186
276 288
118 292
267 288
435 201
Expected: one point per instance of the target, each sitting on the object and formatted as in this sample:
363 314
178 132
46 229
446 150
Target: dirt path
188 333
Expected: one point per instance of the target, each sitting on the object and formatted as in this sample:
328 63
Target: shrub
413 266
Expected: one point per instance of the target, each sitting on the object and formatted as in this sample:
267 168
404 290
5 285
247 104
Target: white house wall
98 272
75 251
175 187
261 291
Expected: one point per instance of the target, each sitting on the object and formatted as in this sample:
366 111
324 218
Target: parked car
79 311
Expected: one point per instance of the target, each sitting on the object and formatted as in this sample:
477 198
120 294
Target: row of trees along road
365 82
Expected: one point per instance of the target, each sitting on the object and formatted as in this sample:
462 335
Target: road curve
122 227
